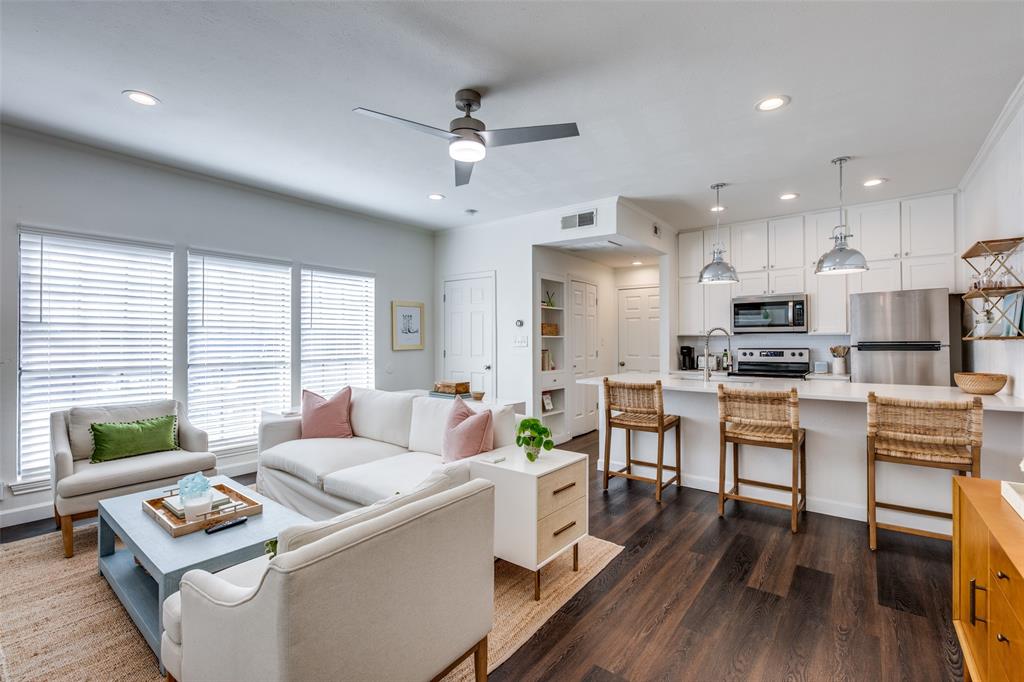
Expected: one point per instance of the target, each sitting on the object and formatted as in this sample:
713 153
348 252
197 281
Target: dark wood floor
695 597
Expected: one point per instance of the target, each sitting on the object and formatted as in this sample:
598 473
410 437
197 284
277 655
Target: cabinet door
971 557
818 232
691 307
752 284
877 230
789 281
712 236
691 253
882 275
928 272
786 243
927 226
718 306
750 246
827 296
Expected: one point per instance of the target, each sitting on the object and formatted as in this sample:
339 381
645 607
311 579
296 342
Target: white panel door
718 306
469 332
789 281
691 253
750 246
691 307
583 312
827 296
639 325
877 230
786 243
752 284
928 272
927 226
882 275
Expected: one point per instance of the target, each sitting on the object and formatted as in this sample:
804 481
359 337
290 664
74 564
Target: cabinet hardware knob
487 367
772 267
1002 576
764 267
565 487
564 528
1000 637
906 253
896 255
621 363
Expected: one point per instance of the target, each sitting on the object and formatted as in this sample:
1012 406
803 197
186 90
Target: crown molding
1013 106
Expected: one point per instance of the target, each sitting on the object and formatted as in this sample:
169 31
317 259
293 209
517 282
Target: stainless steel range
777 363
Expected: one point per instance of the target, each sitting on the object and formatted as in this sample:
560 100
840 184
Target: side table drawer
561 528
1005 577
1006 640
560 487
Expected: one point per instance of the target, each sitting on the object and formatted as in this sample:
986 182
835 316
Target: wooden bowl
477 395
980 383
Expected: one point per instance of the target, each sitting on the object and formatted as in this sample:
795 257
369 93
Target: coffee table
162 559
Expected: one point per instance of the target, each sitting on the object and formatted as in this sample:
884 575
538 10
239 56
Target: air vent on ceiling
585 219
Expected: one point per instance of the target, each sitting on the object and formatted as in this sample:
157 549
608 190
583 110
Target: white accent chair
79 484
404 595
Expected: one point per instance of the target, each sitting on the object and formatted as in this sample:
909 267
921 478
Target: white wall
637 276
46 182
992 205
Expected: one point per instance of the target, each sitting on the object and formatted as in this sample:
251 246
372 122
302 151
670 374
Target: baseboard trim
26 514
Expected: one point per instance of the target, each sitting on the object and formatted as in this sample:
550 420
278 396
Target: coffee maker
687 358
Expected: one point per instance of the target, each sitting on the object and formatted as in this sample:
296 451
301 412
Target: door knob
487 367
621 363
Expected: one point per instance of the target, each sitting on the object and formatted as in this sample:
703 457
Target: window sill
30 486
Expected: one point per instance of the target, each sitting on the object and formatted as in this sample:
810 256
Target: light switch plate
520 341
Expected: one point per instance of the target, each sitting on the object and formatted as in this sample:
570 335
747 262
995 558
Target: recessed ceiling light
772 103
717 209
435 196
636 262
788 196
874 182
139 97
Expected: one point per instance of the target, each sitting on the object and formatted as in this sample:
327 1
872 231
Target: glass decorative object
196 496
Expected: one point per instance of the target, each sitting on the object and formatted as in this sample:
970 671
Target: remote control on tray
227 524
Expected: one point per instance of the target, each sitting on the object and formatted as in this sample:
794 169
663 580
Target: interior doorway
468 352
639 329
584 340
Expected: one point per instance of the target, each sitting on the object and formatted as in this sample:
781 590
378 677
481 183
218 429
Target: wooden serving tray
242 505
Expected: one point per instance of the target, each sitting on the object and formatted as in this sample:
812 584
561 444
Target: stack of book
173 503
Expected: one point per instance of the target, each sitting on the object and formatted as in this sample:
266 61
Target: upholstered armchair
79 484
406 595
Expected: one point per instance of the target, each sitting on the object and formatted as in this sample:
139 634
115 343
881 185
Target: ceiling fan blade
421 127
507 136
463 170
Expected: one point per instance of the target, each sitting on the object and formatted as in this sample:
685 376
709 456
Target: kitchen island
835 416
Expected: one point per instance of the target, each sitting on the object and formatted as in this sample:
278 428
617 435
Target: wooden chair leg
480 661
803 471
170 677
629 451
721 473
975 462
67 534
661 464
872 529
679 459
607 453
794 487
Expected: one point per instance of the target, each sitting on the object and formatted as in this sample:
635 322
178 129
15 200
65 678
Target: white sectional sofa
396 446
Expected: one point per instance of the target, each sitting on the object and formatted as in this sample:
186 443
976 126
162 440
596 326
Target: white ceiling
664 93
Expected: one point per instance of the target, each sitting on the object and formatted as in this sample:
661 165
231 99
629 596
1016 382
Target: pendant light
718 271
841 259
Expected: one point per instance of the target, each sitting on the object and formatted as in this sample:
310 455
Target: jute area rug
59 620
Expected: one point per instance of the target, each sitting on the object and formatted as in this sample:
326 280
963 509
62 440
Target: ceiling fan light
467 150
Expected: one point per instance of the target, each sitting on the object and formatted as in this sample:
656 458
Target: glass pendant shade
718 271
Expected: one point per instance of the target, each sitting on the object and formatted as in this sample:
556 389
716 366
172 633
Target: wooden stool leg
607 453
736 466
67 529
629 451
679 460
480 661
661 464
794 487
721 471
803 471
872 530
975 462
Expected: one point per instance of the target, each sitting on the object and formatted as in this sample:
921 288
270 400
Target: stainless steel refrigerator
903 337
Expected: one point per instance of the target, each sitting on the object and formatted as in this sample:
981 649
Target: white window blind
96 328
336 330
239 346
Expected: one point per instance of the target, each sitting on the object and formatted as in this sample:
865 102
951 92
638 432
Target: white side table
540 508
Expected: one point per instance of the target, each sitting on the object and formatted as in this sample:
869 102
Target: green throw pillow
127 439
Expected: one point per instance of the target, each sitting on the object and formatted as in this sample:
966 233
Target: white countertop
837 391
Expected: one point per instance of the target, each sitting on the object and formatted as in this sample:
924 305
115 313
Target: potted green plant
532 436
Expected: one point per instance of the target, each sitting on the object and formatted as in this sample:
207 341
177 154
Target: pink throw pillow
466 432
327 418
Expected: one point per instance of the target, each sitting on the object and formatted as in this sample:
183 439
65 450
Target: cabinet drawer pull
1000 637
1002 576
974 587
565 487
564 528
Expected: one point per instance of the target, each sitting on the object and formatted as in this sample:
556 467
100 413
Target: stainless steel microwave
768 314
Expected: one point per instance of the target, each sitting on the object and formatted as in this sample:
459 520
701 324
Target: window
96 328
239 346
337 331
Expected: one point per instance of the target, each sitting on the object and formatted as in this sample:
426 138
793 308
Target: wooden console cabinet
988 581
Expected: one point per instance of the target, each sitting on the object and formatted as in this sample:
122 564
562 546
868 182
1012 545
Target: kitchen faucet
707 350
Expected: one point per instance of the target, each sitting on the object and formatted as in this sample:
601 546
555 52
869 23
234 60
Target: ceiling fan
468 137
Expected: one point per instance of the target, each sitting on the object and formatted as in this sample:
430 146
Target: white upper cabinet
750 246
882 275
790 281
752 284
718 306
691 306
721 235
876 229
929 272
691 253
927 226
827 300
818 232
786 243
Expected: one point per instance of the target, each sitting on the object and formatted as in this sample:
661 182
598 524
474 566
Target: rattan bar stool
768 419
639 407
939 434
